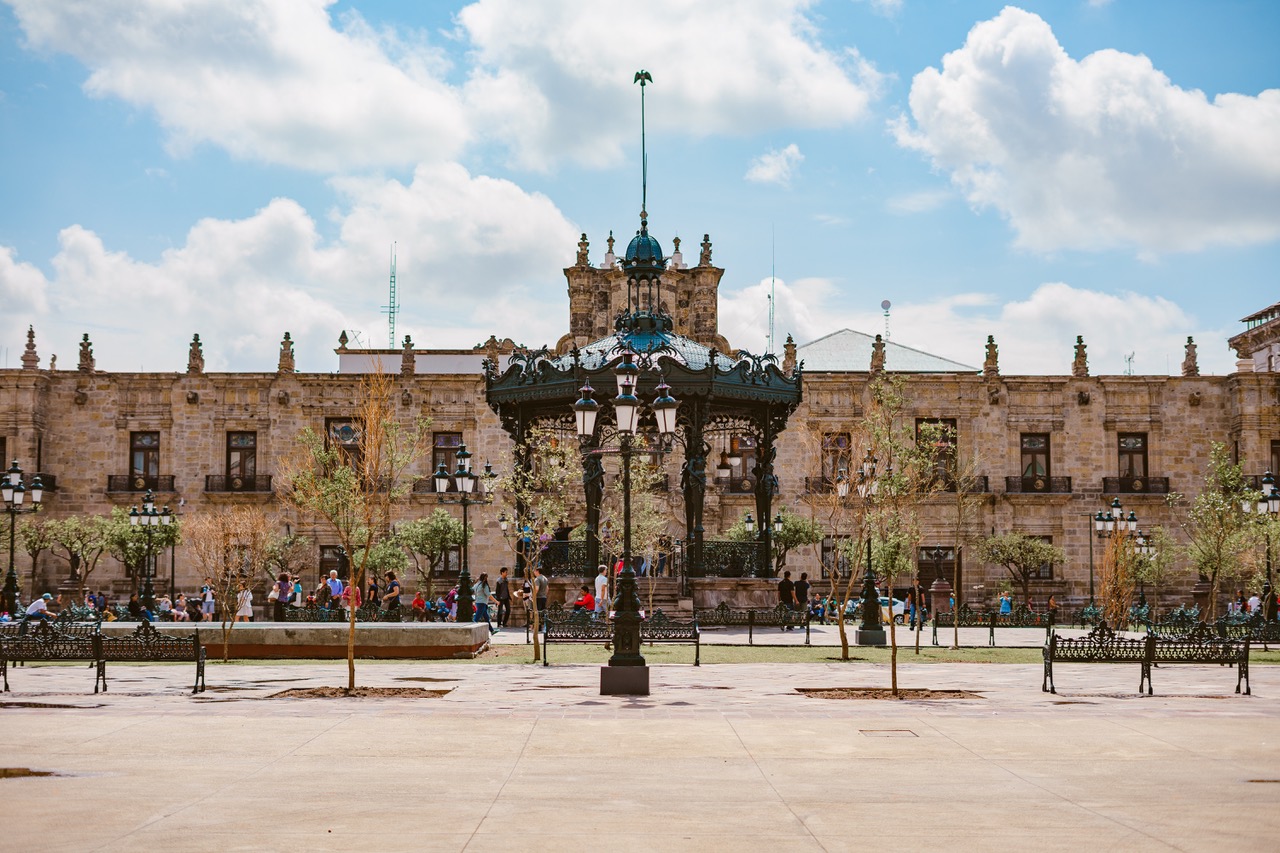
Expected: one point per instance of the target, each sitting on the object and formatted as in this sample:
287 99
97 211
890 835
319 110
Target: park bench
42 641
1103 645
586 628
780 616
1252 627
1020 617
144 645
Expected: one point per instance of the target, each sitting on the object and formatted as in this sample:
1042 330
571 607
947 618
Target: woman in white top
244 604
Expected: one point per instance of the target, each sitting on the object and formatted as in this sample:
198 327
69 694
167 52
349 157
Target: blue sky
1034 172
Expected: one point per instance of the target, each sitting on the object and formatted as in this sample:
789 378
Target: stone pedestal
939 597
863 637
624 681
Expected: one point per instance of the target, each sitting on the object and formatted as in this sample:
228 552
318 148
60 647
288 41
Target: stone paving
727 757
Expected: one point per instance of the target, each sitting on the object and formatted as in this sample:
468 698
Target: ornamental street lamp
1265 507
14 493
148 519
626 603
465 480
870 630
1114 523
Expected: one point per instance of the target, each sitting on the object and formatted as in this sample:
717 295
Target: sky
1032 172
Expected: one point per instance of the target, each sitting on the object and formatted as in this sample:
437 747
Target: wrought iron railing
1038 485
224 483
972 485
722 558
565 559
139 483
1135 485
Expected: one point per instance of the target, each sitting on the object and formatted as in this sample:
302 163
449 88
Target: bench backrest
146 643
44 641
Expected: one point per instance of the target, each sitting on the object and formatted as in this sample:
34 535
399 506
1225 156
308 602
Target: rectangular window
941 434
242 460
835 554
444 451
1034 447
144 459
331 559
837 456
344 435
1133 455
1045 571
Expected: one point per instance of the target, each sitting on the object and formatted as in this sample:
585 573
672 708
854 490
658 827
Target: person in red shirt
419 606
585 602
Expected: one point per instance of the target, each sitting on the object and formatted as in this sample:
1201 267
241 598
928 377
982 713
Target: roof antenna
1128 363
885 306
392 308
642 77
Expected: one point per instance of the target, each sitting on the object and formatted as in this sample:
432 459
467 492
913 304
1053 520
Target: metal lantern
441 478
777 523
749 523
585 411
664 409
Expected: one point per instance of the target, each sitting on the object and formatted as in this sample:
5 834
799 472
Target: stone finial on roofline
286 362
30 358
877 356
195 356
87 361
991 366
1190 364
1080 367
408 359
789 356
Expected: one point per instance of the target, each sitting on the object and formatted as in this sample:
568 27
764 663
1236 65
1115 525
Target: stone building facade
1052 449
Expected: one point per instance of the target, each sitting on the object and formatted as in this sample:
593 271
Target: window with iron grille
1045 571
144 458
444 451
1133 455
242 459
941 434
343 434
836 455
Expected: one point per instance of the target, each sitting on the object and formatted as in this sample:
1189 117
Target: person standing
787 594
244 604
283 589
602 589
540 588
802 590
391 600
502 594
335 588
206 600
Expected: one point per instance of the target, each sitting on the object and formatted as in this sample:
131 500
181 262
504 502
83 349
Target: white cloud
920 201
554 78
1098 153
269 80
885 8
774 166
470 248
1036 334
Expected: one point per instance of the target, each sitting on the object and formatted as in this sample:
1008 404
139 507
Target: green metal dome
643 250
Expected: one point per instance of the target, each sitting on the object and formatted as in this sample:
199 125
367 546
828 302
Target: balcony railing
737 485
819 485
973 485
1037 485
1135 485
139 483
726 559
222 483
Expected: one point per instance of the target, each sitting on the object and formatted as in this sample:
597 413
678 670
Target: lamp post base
869 637
624 681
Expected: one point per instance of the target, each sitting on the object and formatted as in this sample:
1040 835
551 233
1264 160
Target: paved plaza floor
723 757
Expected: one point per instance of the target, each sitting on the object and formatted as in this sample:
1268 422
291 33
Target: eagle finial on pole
642 77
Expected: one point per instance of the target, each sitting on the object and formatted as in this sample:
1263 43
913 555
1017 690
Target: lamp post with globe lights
148 519
466 482
14 492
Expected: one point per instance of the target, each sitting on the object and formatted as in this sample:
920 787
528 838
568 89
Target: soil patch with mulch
359 693
883 693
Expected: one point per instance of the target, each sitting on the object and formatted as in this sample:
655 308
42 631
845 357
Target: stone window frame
1123 454
247 472
148 455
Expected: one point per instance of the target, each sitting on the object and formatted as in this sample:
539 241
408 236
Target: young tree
231 544
535 497
430 538
353 486
1217 531
1021 555
797 532
81 541
128 543
959 469
1160 568
34 539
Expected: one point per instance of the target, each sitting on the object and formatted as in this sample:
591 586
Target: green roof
847 351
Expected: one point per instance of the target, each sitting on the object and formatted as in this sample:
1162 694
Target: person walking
391 599
502 594
802 590
482 593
